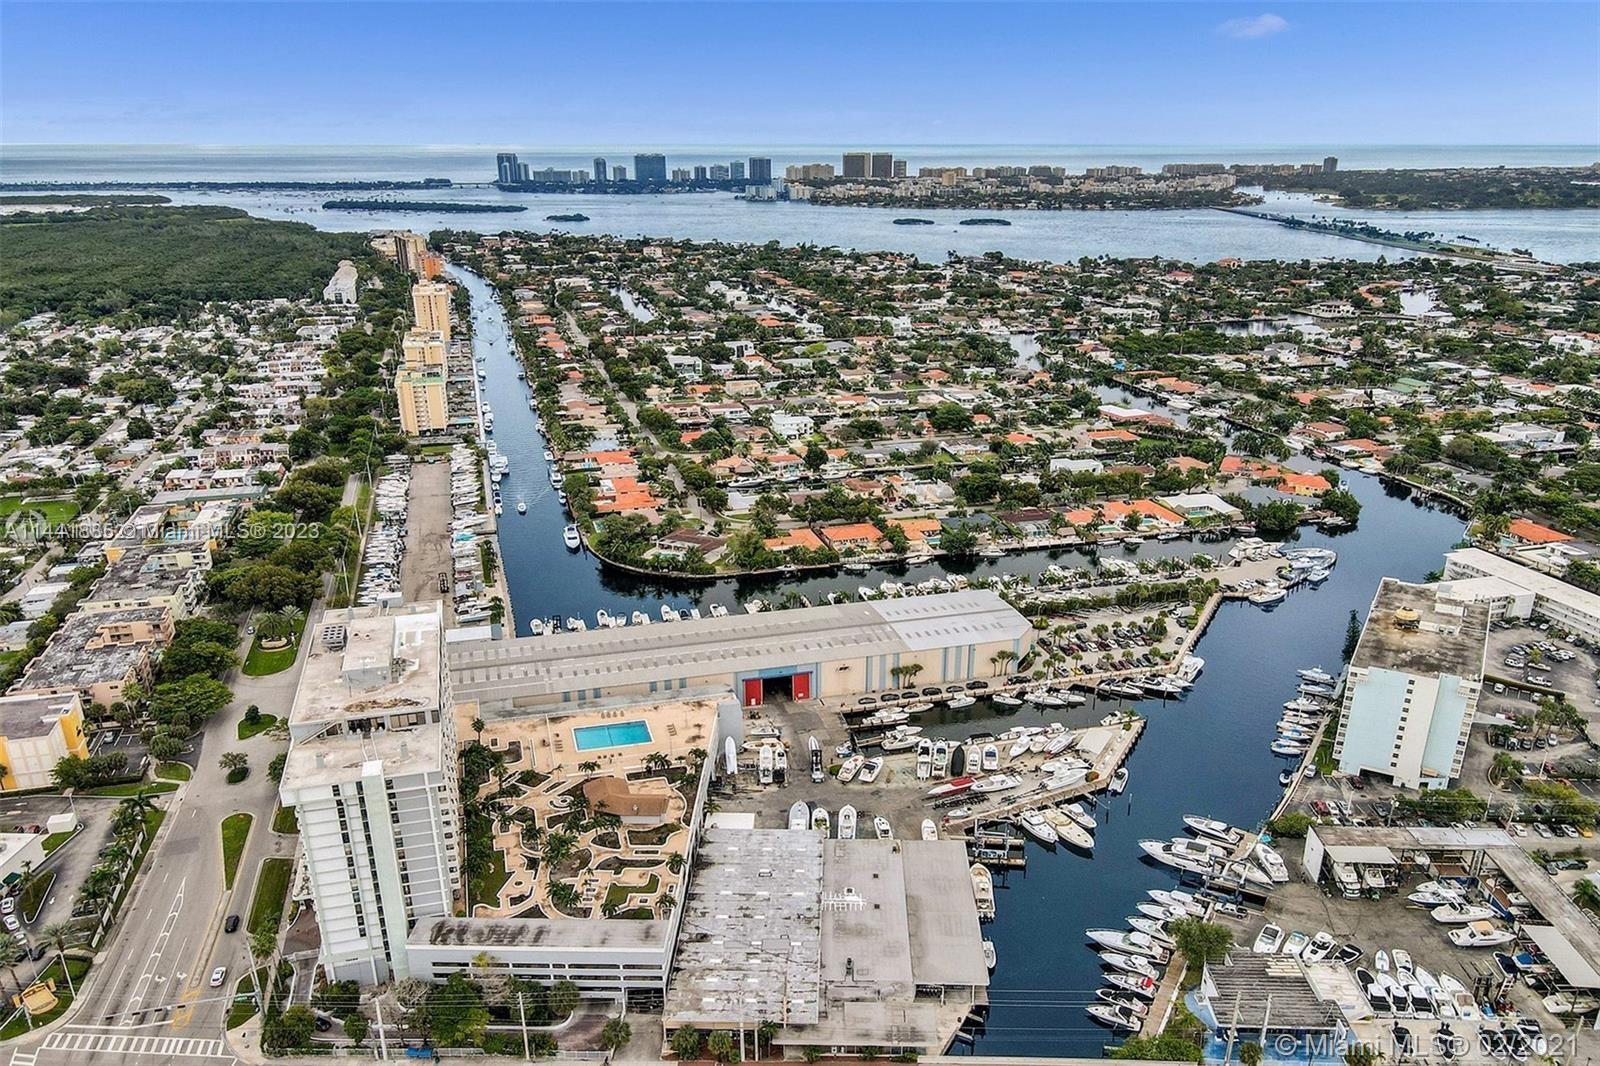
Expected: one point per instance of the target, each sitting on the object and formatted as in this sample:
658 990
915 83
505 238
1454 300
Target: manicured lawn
55 840
272 888
235 831
285 821
261 725
485 888
174 771
55 511
260 662
79 970
244 1005
133 788
35 894
617 895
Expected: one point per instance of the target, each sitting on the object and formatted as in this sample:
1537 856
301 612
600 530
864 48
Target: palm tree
12 955
61 936
563 894
666 902
615 1034
589 766
1587 894
675 862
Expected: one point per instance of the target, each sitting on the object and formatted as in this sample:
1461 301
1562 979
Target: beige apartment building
422 348
430 306
419 395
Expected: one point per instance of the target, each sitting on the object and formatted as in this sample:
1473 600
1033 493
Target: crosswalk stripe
88 1043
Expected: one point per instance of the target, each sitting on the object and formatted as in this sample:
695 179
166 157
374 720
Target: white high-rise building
1412 687
372 776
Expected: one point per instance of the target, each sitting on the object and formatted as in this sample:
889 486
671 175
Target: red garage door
752 692
800 684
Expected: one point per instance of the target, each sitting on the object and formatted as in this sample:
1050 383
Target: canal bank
1204 754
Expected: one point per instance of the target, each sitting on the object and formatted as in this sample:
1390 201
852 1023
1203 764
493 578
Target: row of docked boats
1303 715
1132 959
850 823
1213 853
604 619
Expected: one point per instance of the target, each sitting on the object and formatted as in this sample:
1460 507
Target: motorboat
1198 850
1289 747
639 618
954 787
1267 596
718 611
991 757
1481 934
1316 675
1268 941
522 505
871 769
1460 913
669 613
983 890
850 767
924 759
881 828
1434 894
1005 699
1116 1017
1122 690
570 537
1177 898
941 757
990 958
900 738
1118 781
1132 1004
799 815
1068 829
1321 947
1041 698
1271 862
1130 982
820 820
1160 912
766 764
847 822
961 702
1154 928
1034 824
1079 814
1210 827
1570 1004
1129 942
603 619
1125 963
1294 945
930 831
996 783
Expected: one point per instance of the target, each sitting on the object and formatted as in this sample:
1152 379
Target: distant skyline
834 74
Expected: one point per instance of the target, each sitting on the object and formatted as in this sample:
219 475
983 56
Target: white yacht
820 820
571 539
799 815
1034 824
1268 940
847 822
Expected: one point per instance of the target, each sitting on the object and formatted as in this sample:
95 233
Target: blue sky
812 73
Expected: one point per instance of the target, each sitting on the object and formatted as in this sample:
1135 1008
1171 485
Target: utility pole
522 1016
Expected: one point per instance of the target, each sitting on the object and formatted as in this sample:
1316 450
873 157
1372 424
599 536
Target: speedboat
880 827
820 820
929 830
1288 747
1115 1017
1034 824
1296 943
991 757
1185 901
847 822
570 538
870 770
1131 1004
1004 699
799 815
1321 947
954 787
850 767
1267 596
1317 675
990 958
1154 928
961 701
1128 982
1480 934
941 757
1129 941
1079 814
1123 962
1434 894
1210 827
1118 781
996 783
1460 913
669 613
522 505
924 759
1268 940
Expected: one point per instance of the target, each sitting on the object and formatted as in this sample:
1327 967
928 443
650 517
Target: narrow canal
1205 754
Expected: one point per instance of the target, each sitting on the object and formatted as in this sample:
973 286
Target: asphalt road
148 999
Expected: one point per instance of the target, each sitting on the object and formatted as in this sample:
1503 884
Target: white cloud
1254 28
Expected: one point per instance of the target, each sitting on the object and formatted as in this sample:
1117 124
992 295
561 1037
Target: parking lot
70 862
1523 664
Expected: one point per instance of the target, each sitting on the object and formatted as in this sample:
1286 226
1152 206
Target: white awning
1362 855
1575 970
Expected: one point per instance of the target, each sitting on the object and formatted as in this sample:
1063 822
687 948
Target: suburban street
148 998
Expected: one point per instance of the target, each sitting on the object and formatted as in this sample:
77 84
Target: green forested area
158 262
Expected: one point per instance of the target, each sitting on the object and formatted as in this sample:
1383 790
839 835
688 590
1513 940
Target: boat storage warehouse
829 651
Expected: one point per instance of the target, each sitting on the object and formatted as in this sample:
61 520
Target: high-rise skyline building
619 173
701 173
506 168
1330 164
599 170
736 170
419 396
718 172
856 164
760 170
883 164
430 306
650 167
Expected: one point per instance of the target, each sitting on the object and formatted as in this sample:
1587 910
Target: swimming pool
620 735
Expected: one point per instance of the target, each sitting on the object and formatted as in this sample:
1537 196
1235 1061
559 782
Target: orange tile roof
794 538
1534 533
855 531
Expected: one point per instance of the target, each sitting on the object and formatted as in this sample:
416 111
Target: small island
985 222
575 217
441 206
913 222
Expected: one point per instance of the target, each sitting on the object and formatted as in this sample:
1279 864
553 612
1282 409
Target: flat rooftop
1248 982
1525 577
147 571
31 715
528 668
68 662
338 758
751 940
370 662
1413 629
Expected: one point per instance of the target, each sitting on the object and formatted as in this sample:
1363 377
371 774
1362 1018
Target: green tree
457 1012
564 996
355 1027
1250 1054
1200 941
1352 635
686 1042
720 1046
615 1034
